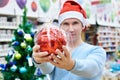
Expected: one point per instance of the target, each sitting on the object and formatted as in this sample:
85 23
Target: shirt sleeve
92 65
45 68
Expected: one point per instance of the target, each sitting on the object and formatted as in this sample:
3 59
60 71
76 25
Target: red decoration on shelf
50 39
3 3
34 6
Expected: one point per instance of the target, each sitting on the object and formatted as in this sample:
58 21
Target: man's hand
39 57
62 60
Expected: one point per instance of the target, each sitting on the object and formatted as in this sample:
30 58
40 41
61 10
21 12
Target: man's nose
71 28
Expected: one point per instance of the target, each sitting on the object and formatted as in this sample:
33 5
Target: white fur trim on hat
72 14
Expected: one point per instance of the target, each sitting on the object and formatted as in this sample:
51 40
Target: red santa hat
72 9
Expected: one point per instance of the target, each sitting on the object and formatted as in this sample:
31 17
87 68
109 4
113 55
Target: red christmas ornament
50 39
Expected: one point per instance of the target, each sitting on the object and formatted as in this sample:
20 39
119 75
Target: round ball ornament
39 79
17 79
23 45
20 32
28 37
15 43
32 34
50 37
22 70
29 49
13 39
17 56
13 68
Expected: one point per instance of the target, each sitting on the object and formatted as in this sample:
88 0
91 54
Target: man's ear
84 28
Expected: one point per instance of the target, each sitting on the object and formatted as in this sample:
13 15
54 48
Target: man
80 61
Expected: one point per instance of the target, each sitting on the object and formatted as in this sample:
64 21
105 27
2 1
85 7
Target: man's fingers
40 54
53 63
56 58
36 48
66 52
39 60
60 55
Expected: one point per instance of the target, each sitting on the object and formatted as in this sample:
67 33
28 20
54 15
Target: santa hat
72 9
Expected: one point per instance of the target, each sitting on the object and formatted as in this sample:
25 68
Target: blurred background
103 27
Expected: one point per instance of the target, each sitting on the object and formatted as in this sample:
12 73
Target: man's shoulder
93 47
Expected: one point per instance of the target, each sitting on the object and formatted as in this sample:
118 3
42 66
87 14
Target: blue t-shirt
89 64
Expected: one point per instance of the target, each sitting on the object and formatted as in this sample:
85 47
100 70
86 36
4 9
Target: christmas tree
19 64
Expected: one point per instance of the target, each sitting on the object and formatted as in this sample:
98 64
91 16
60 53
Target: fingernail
46 53
63 46
38 46
57 50
50 57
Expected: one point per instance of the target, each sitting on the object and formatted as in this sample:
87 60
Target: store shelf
108 38
8 27
5 40
3 52
102 41
6 35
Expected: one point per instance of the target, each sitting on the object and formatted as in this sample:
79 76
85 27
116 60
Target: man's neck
75 44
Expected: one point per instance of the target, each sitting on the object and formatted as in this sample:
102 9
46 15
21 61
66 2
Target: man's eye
74 23
65 24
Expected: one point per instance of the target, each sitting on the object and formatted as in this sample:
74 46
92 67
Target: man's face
73 28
